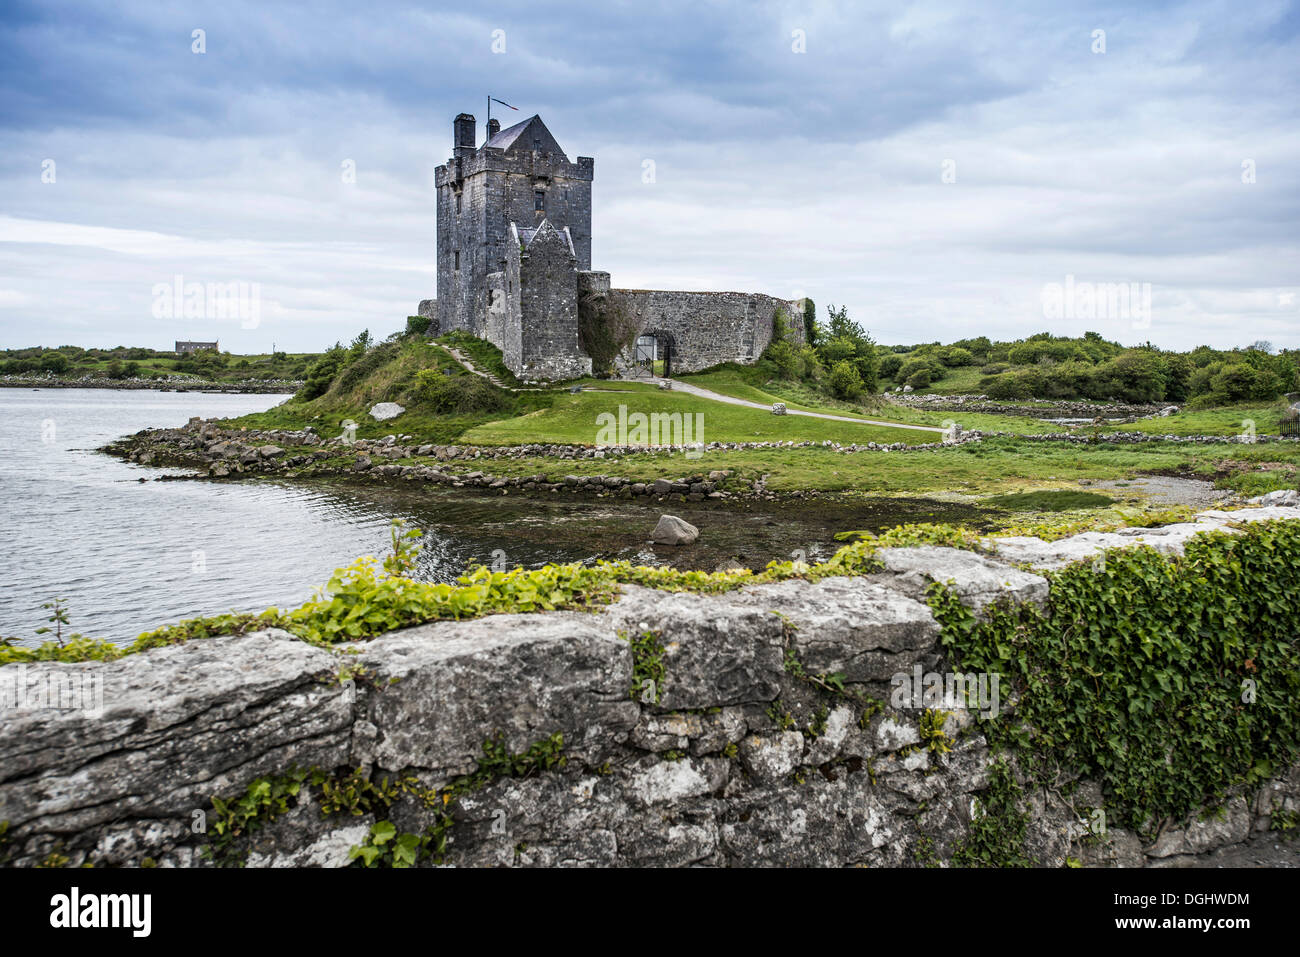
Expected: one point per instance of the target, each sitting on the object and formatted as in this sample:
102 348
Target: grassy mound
441 397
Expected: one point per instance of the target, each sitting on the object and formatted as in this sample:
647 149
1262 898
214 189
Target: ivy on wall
1169 680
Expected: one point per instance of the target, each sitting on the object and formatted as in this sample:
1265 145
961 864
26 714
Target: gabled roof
521 136
545 233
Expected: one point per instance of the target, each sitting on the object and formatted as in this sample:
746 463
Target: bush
459 394
55 362
954 356
322 373
811 366
782 355
844 381
920 379
889 365
418 325
1021 384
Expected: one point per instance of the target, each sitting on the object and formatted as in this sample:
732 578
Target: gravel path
1168 489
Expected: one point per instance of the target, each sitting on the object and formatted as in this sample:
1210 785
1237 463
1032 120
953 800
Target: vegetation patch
1052 500
1171 681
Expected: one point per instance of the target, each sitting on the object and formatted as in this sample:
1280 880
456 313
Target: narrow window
537 143
539 200
458 195
457 255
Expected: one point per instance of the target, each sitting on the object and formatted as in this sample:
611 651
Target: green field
572 418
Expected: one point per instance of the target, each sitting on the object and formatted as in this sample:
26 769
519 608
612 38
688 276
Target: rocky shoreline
221 453
167 384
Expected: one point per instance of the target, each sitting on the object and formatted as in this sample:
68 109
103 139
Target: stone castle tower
514 263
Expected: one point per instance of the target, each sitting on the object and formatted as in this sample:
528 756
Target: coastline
244 386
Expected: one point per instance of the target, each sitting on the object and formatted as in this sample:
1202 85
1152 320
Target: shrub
920 379
418 325
954 356
458 394
844 381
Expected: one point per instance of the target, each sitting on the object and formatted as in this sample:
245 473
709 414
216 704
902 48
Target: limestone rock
526 676
383 411
778 408
672 530
977 580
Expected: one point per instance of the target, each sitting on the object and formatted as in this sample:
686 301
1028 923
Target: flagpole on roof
490 100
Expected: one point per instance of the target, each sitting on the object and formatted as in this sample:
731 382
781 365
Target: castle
514 268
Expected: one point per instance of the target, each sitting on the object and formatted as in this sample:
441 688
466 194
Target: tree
863 348
810 322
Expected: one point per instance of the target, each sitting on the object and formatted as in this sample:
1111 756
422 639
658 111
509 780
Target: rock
385 410
672 530
771 759
717 652
203 718
907 388
525 676
1285 496
269 451
863 630
977 580
1168 410
778 408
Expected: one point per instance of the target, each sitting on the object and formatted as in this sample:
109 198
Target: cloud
777 171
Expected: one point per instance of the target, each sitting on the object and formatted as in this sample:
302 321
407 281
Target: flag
502 102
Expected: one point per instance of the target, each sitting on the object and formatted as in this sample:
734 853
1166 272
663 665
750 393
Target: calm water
129 555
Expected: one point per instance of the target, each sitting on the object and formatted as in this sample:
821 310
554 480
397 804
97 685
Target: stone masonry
514 258
731 760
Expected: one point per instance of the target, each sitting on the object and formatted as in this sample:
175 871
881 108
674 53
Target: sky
943 170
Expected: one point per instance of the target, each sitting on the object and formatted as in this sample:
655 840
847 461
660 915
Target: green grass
1223 420
573 419
756 384
485 356
1058 500
993 466
393 379
961 380
982 421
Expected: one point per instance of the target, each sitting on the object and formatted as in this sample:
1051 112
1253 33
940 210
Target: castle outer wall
703 328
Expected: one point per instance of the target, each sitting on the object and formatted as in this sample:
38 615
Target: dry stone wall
734 756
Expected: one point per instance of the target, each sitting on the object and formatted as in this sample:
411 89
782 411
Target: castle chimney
463 133
494 127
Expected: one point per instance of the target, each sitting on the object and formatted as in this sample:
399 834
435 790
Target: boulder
1283 496
671 530
778 408
385 410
